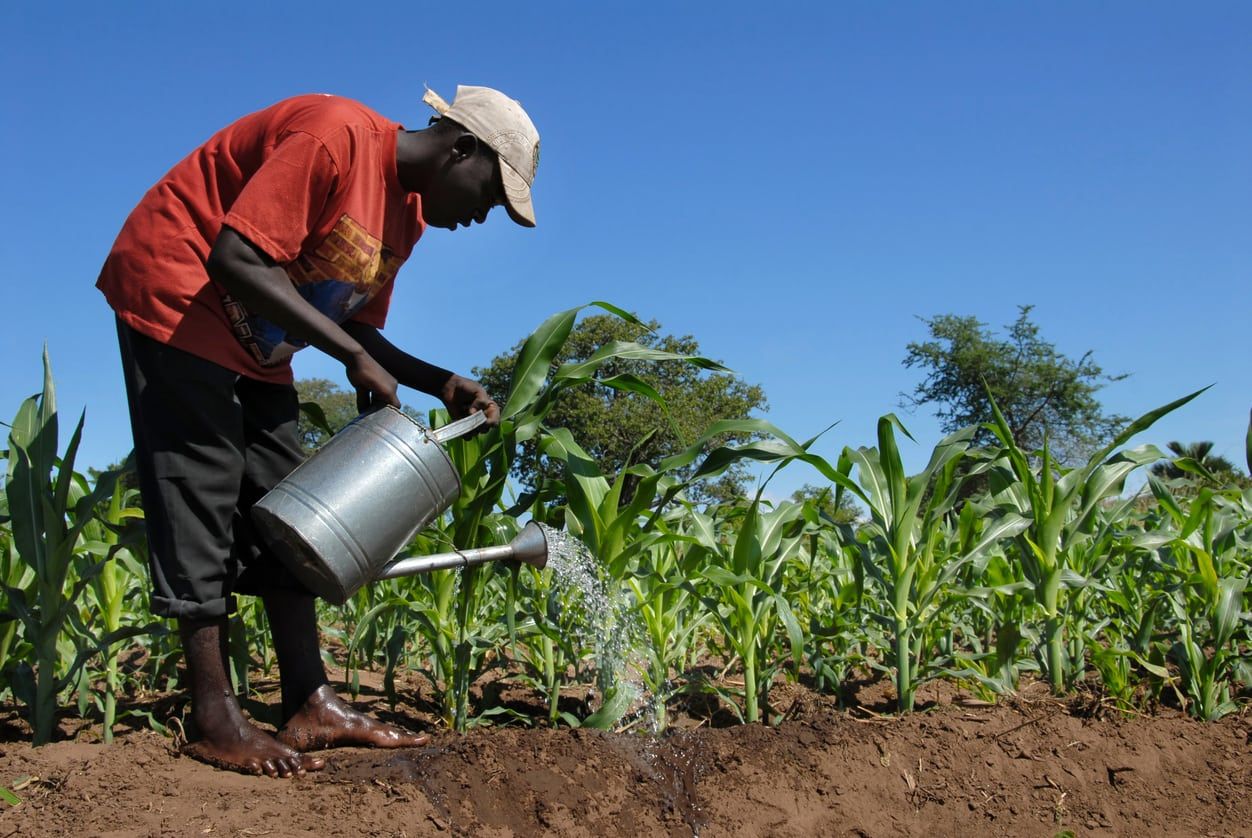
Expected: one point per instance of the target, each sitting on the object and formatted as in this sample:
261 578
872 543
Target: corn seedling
1058 506
114 539
47 524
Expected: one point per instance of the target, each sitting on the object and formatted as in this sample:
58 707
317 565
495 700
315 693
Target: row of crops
990 565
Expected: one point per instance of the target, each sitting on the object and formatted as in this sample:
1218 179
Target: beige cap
501 123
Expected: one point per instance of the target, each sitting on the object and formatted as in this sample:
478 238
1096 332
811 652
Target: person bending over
284 229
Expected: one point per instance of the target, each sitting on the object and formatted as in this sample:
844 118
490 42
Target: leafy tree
620 428
1040 391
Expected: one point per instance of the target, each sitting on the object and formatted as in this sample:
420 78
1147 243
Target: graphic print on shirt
340 276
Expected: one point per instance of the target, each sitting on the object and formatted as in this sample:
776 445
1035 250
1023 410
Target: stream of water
606 622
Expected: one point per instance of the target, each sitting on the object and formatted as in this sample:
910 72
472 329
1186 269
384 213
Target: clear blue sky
795 184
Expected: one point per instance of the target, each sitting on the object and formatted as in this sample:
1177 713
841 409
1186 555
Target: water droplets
605 623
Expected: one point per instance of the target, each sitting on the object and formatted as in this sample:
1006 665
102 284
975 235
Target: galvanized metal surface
345 512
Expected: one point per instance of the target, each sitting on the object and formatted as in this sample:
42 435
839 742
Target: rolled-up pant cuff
185 609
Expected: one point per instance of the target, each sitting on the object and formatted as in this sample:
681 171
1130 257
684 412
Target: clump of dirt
960 766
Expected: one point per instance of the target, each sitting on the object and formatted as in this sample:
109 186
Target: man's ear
464 147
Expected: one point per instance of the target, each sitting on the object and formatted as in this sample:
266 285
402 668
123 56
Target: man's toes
311 763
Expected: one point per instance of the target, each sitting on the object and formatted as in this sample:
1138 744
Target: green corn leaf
8 797
585 487
724 578
794 635
874 486
1008 589
890 465
1017 459
620 312
1144 422
43 450
746 553
629 351
1000 529
1108 479
730 426
1228 611
535 358
1155 669
1046 477
24 489
65 473
634 384
1193 466
1166 500
1207 571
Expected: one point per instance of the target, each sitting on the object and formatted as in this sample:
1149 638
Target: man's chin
435 222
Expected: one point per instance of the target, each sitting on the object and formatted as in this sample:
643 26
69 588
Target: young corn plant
1208 561
993 627
47 523
458 629
14 575
595 510
741 585
671 616
1059 507
547 641
113 539
610 530
903 546
825 590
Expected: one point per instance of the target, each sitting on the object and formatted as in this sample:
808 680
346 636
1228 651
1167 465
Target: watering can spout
529 546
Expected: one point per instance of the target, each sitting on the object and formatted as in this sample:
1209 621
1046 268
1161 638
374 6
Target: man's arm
462 396
253 278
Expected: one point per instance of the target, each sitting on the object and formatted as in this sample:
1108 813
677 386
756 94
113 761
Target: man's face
466 187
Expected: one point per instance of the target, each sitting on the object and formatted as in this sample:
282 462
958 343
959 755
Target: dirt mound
1024 768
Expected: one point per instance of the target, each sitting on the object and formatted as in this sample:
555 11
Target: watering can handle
460 427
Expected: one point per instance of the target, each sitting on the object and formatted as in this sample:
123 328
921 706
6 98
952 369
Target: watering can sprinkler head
531 546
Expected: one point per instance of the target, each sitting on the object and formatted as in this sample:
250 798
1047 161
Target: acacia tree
620 428
1040 391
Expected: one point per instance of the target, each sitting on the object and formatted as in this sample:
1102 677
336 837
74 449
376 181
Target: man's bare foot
248 750
325 721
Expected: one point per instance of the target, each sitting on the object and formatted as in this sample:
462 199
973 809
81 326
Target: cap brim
517 196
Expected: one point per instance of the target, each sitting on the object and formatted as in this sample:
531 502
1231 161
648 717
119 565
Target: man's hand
464 396
375 386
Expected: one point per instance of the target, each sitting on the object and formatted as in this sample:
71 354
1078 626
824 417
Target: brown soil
1025 767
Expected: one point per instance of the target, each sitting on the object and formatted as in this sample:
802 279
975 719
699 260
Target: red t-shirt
311 181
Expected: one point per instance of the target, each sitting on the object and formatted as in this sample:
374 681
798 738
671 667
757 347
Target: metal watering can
339 518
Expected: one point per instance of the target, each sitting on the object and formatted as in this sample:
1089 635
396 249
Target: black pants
209 443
